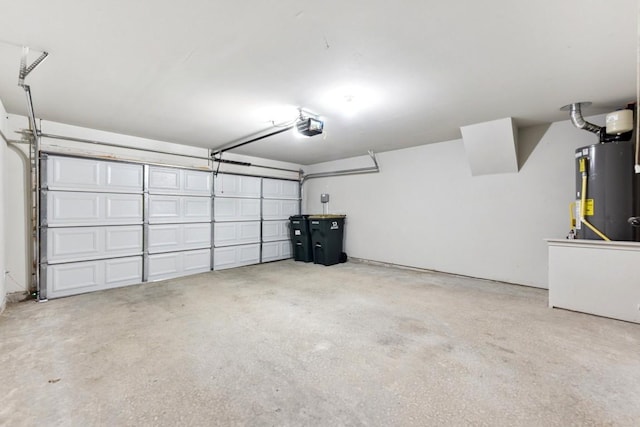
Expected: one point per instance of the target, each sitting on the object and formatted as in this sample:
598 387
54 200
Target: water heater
607 197
609 189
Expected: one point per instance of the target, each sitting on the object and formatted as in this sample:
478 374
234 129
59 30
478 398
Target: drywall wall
16 213
3 149
425 210
16 167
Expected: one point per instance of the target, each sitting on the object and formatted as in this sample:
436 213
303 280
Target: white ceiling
207 72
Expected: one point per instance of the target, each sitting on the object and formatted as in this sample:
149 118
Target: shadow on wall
26 182
528 140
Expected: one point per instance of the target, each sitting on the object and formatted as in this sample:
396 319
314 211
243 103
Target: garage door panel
236 233
275 230
230 209
236 256
72 243
237 186
76 209
66 208
68 277
88 276
123 239
197 261
280 189
196 209
123 271
70 173
197 235
75 174
279 209
197 182
123 177
164 265
179 209
163 180
84 243
273 251
177 264
178 237
124 208
164 209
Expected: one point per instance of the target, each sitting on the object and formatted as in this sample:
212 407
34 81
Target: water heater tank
611 192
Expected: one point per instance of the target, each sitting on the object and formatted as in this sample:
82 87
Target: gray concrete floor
297 344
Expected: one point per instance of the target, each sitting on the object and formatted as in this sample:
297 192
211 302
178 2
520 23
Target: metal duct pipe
575 113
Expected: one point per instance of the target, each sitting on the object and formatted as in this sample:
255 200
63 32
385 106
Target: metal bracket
26 70
370 169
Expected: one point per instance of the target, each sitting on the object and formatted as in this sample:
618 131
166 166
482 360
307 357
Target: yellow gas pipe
583 208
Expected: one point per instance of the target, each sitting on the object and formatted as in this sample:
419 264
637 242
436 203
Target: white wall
425 210
16 167
3 149
16 202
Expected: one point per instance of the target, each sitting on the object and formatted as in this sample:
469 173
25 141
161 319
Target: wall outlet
324 198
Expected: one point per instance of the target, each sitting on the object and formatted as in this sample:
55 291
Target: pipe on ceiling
575 113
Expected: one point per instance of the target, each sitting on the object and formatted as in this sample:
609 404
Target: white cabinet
237 186
174 209
178 237
273 251
68 173
176 264
79 277
279 209
67 244
236 233
230 209
65 208
236 256
280 189
275 230
183 182
595 277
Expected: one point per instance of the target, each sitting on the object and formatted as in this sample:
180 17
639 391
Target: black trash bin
327 232
301 238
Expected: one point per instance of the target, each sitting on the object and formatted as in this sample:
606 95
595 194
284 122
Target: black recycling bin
301 238
327 232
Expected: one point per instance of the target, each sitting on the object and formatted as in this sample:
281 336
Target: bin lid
329 216
298 217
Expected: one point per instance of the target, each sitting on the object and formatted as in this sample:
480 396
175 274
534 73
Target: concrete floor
297 344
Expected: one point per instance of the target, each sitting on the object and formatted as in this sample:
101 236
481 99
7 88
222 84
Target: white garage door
107 224
280 200
179 222
91 225
236 215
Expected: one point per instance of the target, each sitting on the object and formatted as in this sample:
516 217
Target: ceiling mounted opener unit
309 126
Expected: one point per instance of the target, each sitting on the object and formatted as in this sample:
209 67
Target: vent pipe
575 113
